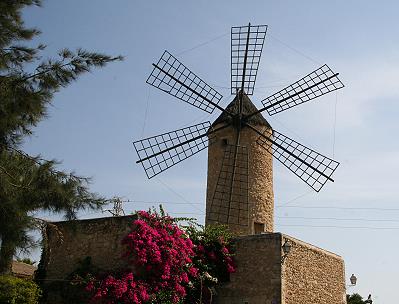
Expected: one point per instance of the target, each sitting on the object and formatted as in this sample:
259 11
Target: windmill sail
310 166
246 50
174 78
158 153
319 82
229 204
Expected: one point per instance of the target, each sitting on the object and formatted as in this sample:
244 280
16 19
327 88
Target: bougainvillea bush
168 263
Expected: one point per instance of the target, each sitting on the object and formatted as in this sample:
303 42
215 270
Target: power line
337 219
160 202
338 208
146 112
284 205
296 198
335 122
295 50
179 195
202 44
343 227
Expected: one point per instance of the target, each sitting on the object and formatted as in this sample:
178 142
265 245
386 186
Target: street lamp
353 280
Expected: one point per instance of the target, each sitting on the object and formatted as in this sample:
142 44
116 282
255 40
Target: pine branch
80 62
40 161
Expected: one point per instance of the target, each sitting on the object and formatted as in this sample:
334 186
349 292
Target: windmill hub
240 172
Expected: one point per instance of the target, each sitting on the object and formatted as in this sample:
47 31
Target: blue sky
93 122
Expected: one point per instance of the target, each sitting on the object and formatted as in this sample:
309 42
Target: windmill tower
252 201
241 142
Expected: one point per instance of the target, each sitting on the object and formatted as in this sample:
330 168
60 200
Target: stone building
265 274
306 275
22 270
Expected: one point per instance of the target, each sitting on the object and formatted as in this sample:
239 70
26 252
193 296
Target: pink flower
230 268
225 250
193 272
184 278
163 258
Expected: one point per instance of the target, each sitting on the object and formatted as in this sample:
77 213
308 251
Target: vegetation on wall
356 299
168 263
18 291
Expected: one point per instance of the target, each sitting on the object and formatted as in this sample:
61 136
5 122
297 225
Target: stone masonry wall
309 275
98 238
312 275
260 174
258 276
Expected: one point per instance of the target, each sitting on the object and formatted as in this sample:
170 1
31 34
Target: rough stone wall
309 275
312 275
260 174
258 276
98 238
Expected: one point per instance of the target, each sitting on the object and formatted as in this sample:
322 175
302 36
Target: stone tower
260 169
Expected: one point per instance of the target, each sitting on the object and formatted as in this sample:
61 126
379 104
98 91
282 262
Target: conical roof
248 108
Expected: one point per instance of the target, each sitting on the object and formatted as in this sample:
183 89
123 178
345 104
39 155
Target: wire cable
337 219
179 195
202 44
296 198
146 112
339 208
342 227
295 50
335 122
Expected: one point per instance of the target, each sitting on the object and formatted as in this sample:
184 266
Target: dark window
259 228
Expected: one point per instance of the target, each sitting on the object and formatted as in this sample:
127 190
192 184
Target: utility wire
179 195
343 227
296 198
284 205
337 219
295 50
146 112
339 208
160 202
335 121
202 44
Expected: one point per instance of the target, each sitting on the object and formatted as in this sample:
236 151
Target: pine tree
30 183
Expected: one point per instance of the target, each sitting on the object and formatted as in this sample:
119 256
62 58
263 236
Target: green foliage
27 87
171 260
26 261
214 238
354 299
18 291
25 95
72 289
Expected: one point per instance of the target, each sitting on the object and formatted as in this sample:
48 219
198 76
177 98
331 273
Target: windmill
241 142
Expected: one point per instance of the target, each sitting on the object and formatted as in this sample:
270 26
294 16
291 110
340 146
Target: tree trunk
6 255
